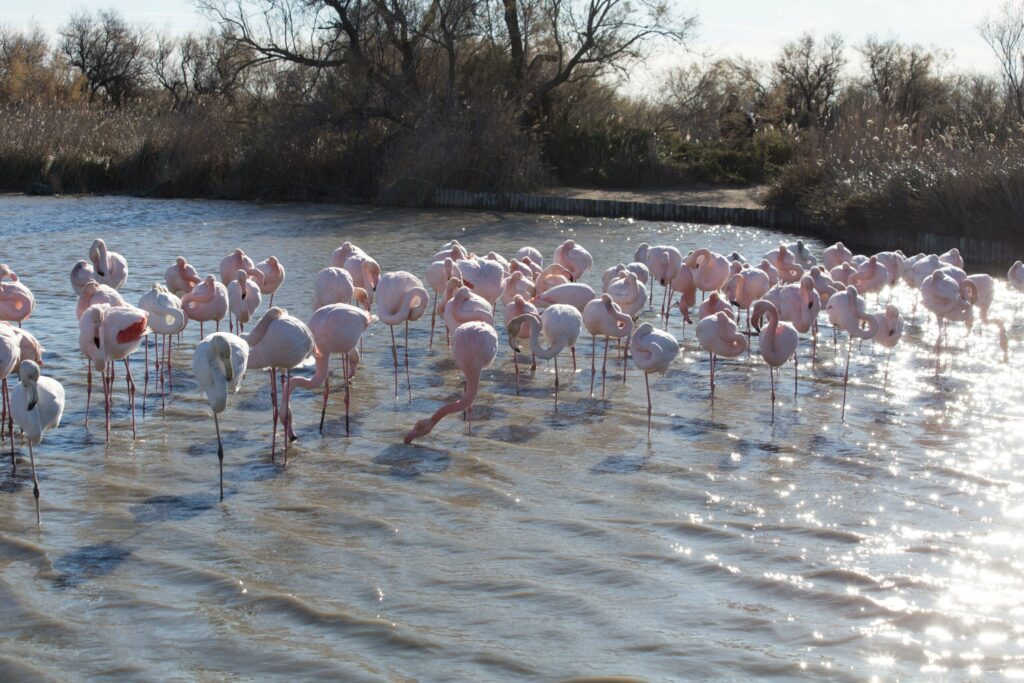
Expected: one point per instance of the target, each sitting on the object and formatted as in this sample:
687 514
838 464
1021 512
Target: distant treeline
387 101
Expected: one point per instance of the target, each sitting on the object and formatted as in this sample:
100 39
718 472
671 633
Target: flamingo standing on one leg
273 276
166 319
653 351
279 342
243 299
336 329
888 334
719 336
207 301
109 266
777 341
37 404
560 324
603 317
846 311
474 347
401 298
219 363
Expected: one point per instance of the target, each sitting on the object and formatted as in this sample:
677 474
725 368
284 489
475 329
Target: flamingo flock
770 304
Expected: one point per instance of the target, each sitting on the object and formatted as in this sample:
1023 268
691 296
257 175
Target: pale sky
755 28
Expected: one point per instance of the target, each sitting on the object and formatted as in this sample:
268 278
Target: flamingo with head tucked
486 277
777 341
474 347
953 258
401 298
870 277
95 293
560 324
847 311
207 301
335 286
603 317
464 306
218 364
803 255
530 253
785 262
108 334
710 270
243 299
166 319
272 276
719 336
232 263
16 300
663 262
573 258
1015 276
552 276
181 277
575 294
653 351
628 293
888 334
835 255
109 266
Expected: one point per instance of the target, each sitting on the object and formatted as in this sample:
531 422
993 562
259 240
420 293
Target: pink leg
846 378
273 400
593 362
88 390
625 361
556 384
323 410
408 382
647 384
6 402
604 367
711 361
170 379
394 357
107 371
771 371
433 319
348 393
131 392
145 381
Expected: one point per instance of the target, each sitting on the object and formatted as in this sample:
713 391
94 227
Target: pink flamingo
207 301
37 405
771 271
686 285
530 253
560 324
497 258
364 270
870 277
603 317
948 300
232 263
16 300
719 336
243 299
744 288
823 284
777 341
628 293
474 346
893 262
518 284
798 304
82 274
166 319
846 311
842 273
551 277
664 262
181 277
485 277
517 266
802 254
337 328
279 341
985 291
218 364
534 267
10 356
1015 276
835 256
465 306
439 272
108 334
653 351
921 269
335 286
710 270
29 346
575 294
785 262
452 250
110 267
94 293
518 307
953 258
888 334
713 306
401 298
273 277
573 258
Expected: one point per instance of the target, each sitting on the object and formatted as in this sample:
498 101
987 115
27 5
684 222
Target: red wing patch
132 333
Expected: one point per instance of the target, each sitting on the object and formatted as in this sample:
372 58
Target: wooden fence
986 253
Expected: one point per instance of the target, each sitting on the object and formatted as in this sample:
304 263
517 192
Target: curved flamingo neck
464 401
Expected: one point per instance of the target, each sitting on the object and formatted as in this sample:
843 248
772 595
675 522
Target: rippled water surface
544 545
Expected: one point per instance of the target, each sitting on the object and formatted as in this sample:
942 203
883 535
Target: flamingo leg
107 371
433 319
285 418
323 410
885 378
712 361
796 361
163 400
515 362
271 304
408 382
88 391
220 454
170 377
556 384
771 373
130 383
273 400
145 380
35 481
846 378
533 362
625 360
469 420
6 402
394 357
348 389
604 367
647 384
593 362
572 350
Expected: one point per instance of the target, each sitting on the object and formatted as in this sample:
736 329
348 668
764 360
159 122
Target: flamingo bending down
207 301
219 363
337 328
232 263
166 319
653 351
777 341
335 286
37 405
181 277
474 347
560 324
278 342
109 266
573 258
520 306
846 311
719 336
272 277
401 298
243 298
603 317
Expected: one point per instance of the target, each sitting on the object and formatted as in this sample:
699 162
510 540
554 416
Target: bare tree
195 66
109 53
809 69
1004 33
903 77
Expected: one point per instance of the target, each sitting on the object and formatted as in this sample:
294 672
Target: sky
754 28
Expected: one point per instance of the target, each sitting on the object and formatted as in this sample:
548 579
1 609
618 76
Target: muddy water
544 545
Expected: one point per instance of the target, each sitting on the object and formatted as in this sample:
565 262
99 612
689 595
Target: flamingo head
421 428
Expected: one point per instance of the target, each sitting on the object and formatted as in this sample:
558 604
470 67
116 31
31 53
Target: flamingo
573 258
686 285
777 341
560 324
520 306
823 284
166 318
485 277
803 255
452 250
551 277
710 270
207 301
272 277
846 311
921 269
10 356
870 277
96 293
719 336
81 274
181 277
465 306
498 258
16 300
37 404
893 262
985 288
653 351
530 253
218 364
517 266
364 270
401 298
628 293
713 305
1015 276
243 298
108 334
952 257
518 284
474 346
842 273
334 286
535 268
232 263
664 262
785 262
29 347
439 272
888 334
575 294
746 287
771 271
798 304
835 255
337 328
279 341
109 266
603 317
945 297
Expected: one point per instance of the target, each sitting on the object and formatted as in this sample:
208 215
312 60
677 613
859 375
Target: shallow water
544 545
